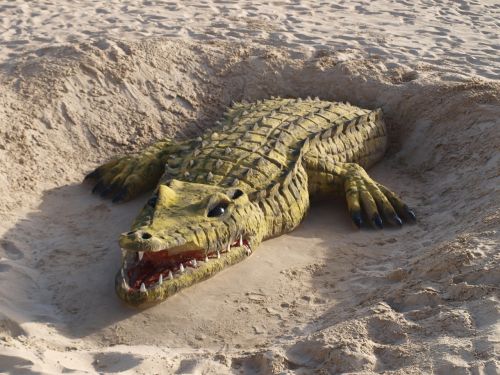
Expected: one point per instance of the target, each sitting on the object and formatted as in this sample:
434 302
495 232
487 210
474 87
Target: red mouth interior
154 264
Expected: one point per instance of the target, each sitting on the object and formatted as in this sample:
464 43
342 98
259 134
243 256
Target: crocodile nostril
146 236
130 233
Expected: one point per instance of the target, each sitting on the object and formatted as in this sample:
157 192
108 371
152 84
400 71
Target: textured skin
261 164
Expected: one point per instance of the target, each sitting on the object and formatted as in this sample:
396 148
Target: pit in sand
326 296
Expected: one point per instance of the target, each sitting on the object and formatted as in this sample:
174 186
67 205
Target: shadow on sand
71 239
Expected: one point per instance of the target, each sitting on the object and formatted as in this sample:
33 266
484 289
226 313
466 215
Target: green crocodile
218 196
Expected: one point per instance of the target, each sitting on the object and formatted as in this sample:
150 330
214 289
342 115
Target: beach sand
82 81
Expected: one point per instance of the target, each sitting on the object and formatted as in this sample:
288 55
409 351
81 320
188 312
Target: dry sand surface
81 81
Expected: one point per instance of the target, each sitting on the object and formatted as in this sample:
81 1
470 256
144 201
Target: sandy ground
80 82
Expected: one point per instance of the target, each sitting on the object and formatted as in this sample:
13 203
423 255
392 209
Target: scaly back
257 145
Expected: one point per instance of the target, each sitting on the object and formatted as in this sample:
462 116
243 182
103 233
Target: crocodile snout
140 240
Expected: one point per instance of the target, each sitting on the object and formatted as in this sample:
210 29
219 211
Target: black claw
98 188
411 214
397 220
109 190
377 220
93 174
356 218
120 196
106 191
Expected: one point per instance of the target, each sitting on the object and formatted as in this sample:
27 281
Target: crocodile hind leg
127 177
365 197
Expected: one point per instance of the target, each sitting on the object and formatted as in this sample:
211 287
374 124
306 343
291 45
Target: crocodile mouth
154 276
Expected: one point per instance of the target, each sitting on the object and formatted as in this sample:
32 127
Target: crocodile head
184 234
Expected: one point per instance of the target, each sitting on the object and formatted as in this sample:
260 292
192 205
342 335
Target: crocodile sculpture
250 178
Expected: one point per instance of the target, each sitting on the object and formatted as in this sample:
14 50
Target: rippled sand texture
324 299
459 36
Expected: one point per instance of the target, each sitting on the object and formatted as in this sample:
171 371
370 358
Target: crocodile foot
373 202
127 177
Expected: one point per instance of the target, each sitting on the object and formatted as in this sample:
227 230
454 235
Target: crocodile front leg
365 197
127 177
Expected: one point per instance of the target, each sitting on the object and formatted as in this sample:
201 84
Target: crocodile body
218 196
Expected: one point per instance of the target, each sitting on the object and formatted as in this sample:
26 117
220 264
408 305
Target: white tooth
123 273
218 255
194 263
160 280
241 240
229 247
206 258
141 254
125 285
249 251
143 288
181 268
170 276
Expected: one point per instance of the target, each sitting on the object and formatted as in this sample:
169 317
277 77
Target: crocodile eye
152 201
218 210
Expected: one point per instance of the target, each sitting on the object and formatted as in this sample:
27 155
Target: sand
81 82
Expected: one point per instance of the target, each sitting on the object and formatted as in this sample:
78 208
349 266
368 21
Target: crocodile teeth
143 288
140 254
240 242
125 285
123 273
194 263
181 268
206 259
228 248
218 255
160 280
170 276
249 251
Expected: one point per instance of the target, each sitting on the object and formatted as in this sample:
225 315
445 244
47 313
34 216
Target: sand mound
417 300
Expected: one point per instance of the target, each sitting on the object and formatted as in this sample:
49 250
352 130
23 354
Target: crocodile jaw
150 277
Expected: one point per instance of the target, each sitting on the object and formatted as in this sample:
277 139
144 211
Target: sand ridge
325 298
